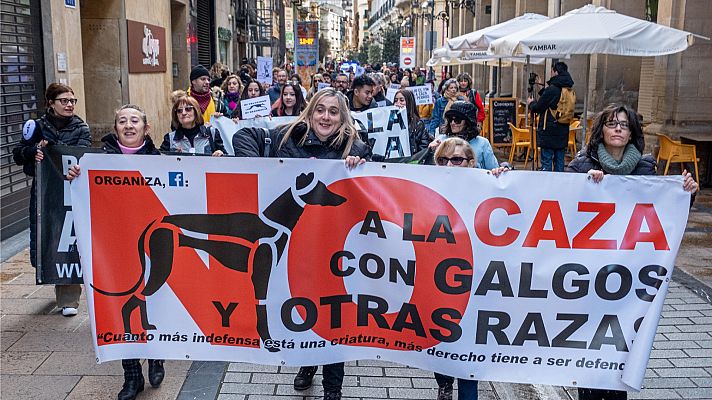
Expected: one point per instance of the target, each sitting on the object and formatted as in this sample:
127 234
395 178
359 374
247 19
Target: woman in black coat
59 125
131 137
325 130
417 132
616 148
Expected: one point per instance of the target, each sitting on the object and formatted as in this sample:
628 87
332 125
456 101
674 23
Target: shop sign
147 47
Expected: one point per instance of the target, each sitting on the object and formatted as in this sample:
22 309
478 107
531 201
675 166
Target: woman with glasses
316 80
460 121
457 152
59 125
616 148
191 135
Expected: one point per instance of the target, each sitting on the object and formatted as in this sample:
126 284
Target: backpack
564 111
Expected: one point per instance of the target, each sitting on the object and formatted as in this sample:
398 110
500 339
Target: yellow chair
672 151
573 128
520 139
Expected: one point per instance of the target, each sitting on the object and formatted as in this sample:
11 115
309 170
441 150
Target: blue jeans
466 388
549 155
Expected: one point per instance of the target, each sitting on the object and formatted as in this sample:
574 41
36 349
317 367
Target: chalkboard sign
501 111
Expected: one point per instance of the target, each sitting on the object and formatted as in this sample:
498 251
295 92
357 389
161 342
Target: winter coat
76 133
111 146
419 137
350 97
251 142
207 141
556 135
473 96
582 163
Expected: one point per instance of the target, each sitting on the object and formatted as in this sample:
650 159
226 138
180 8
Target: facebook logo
175 179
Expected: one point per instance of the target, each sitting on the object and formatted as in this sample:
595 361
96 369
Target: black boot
332 395
132 387
156 372
303 380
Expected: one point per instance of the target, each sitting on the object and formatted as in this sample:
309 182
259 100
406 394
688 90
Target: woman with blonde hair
325 130
232 89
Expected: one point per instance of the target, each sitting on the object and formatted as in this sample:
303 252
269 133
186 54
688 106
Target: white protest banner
423 94
448 269
264 70
256 107
228 127
322 85
359 70
393 88
387 129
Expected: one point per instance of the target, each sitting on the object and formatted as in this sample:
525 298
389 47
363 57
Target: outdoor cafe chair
522 139
673 151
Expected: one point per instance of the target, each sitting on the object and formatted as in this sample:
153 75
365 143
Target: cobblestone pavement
47 356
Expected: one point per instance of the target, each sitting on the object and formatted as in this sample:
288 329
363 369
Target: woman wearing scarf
450 95
616 148
232 89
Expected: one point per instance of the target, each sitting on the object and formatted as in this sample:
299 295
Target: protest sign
57 255
387 129
322 85
264 70
423 94
256 107
541 285
228 128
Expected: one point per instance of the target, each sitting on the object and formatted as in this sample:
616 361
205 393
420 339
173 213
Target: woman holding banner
290 101
131 137
616 147
417 133
191 135
456 152
325 130
59 125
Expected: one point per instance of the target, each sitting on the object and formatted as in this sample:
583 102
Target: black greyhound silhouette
270 232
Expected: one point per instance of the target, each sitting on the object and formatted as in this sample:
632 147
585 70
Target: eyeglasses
456 120
614 122
186 109
442 161
65 101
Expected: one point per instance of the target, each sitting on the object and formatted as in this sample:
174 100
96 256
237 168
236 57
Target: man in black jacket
361 94
553 136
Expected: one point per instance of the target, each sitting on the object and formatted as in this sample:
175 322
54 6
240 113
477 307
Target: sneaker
445 392
332 395
69 311
303 380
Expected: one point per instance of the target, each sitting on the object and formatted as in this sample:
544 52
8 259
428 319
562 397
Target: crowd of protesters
446 132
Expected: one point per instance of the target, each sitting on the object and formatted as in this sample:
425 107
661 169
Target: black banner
57 255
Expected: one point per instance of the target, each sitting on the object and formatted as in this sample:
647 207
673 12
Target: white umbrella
480 39
593 30
444 56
